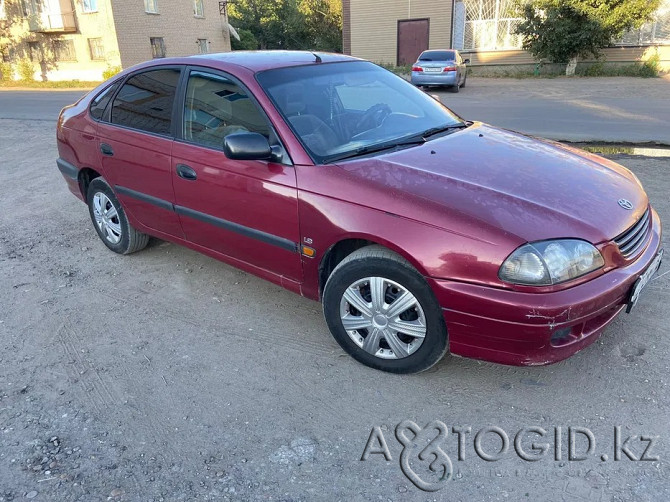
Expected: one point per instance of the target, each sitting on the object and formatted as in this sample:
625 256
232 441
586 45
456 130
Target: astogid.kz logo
426 464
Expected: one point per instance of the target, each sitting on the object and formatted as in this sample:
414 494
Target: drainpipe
451 35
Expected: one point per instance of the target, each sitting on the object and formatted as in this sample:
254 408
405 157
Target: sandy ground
166 375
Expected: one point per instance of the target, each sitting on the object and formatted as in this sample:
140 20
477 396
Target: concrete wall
91 25
374 25
98 24
611 54
175 22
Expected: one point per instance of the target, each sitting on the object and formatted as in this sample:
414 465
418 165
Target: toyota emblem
626 204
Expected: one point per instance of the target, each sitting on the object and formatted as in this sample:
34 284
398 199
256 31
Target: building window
89 5
34 51
203 46
64 50
151 6
157 47
198 8
96 50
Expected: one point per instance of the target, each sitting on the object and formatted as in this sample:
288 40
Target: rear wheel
110 221
455 88
381 311
465 79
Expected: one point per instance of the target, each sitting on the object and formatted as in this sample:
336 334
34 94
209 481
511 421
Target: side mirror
466 61
247 146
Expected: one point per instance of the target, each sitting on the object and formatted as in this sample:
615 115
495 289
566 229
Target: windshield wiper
416 139
437 130
364 150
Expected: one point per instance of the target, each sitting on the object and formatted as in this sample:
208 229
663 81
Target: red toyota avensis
420 232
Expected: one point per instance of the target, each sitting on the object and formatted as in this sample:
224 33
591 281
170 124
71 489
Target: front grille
635 237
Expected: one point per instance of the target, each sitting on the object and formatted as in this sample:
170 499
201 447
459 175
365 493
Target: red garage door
412 39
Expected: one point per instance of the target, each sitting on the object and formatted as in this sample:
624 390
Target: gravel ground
166 375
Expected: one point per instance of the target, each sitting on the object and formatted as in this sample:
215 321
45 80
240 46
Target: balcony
52 22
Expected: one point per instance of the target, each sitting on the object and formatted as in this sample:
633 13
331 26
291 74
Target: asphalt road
166 375
620 110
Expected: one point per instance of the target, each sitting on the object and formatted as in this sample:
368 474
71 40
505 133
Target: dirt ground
166 375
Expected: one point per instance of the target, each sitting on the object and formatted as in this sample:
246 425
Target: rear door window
146 100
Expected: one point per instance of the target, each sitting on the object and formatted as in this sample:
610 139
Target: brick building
79 39
397 31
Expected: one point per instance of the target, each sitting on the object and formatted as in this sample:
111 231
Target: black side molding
150 199
252 233
238 229
67 169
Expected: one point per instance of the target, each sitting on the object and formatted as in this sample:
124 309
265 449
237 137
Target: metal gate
413 36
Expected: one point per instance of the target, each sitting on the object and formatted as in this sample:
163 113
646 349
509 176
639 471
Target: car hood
534 189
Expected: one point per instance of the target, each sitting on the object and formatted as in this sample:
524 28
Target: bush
398 70
110 72
6 71
648 69
26 70
652 65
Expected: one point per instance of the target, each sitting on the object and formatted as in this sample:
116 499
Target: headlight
550 262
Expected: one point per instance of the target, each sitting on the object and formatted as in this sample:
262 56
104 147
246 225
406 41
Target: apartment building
397 31
80 39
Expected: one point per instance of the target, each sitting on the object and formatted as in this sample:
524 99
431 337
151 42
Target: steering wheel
373 117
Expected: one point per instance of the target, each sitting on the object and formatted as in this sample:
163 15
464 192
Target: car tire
110 221
456 88
351 285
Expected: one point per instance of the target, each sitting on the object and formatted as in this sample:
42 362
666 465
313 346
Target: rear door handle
186 172
106 149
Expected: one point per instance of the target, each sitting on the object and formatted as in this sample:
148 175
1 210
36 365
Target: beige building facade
396 31
81 39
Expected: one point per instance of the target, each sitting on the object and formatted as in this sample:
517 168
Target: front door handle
106 149
186 172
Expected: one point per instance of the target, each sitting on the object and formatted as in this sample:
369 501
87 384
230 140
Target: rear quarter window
100 102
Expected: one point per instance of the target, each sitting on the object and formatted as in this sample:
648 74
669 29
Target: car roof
264 60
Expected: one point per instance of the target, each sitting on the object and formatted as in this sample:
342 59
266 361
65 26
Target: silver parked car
443 68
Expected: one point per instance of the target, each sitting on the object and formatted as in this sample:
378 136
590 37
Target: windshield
437 56
340 110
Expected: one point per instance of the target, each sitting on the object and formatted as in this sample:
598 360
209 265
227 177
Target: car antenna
318 58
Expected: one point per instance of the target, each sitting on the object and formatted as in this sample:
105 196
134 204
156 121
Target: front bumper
511 327
449 78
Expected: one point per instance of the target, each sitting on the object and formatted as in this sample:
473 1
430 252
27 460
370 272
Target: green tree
324 23
288 24
563 30
247 41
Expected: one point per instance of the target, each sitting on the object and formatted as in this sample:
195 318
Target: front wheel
381 311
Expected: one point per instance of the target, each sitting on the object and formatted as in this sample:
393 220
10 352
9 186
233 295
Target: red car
420 232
